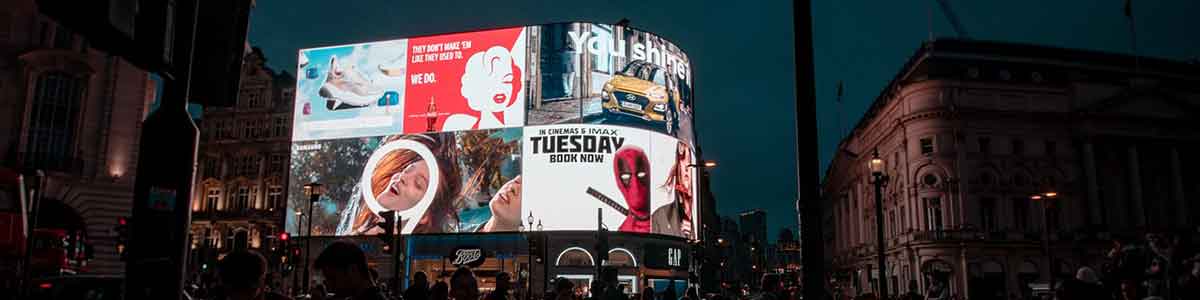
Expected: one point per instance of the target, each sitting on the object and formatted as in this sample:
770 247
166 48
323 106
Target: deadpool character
632 170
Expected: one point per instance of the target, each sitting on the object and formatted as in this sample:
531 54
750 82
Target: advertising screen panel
478 131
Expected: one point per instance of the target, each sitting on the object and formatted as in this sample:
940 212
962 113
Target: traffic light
283 237
122 232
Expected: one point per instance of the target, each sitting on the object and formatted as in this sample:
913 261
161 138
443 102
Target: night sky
742 57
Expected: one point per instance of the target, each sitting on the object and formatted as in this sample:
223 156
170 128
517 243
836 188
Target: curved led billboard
486 131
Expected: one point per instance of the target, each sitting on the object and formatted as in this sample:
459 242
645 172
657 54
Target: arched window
52 121
620 257
574 257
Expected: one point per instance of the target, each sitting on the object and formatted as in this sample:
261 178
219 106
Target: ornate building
970 130
239 198
75 113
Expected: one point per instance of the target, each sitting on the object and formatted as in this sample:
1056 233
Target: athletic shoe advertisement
466 181
629 175
466 81
350 91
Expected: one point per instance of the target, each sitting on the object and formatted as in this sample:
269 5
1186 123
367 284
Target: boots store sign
467 257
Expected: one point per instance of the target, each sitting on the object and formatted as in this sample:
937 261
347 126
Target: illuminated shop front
485 254
640 260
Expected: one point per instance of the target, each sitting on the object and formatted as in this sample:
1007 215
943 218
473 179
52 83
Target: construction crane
950 16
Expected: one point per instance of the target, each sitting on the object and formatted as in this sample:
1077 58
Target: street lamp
313 191
708 164
879 180
1045 198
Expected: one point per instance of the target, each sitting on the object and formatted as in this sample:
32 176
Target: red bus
54 250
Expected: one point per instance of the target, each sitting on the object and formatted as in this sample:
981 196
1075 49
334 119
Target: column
1180 206
1094 201
1135 188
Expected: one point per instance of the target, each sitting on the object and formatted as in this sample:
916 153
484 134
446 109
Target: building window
247 129
892 223
278 163
255 200
903 219
1019 180
210 168
1018 147
62 38
274 196
44 33
926 145
985 145
215 129
987 214
52 121
930 180
243 198
213 200
1020 213
933 214
1051 148
280 128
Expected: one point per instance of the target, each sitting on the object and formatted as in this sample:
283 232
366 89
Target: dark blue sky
743 60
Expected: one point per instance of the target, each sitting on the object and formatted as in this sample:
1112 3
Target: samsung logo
308 147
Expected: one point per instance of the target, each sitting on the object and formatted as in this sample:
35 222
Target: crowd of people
1159 267
242 275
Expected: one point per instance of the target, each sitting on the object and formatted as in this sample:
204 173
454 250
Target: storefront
485 254
640 260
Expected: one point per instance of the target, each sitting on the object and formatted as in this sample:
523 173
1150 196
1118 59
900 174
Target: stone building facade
969 130
75 113
239 199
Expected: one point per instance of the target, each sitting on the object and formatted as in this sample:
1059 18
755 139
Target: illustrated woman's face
490 80
406 188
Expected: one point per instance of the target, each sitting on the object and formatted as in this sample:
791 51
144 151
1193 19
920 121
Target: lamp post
879 180
1045 199
313 190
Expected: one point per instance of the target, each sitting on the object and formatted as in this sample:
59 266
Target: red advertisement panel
465 81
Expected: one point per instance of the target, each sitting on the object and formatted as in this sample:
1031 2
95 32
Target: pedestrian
347 275
669 293
318 292
242 276
463 285
419 288
912 292
647 292
1189 283
564 289
770 287
609 281
691 294
502 288
597 290
440 291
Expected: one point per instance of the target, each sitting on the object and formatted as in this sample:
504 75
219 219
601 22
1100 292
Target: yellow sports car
640 90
